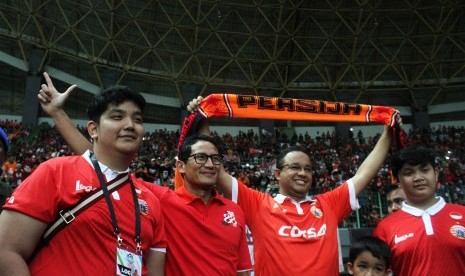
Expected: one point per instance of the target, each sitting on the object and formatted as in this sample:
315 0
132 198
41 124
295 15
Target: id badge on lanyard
128 263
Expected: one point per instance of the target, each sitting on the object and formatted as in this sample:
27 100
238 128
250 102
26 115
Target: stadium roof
397 52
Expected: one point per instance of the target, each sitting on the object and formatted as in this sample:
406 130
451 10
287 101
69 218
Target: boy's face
419 184
120 128
367 265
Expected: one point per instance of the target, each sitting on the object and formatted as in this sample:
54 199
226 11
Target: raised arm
371 165
225 180
52 102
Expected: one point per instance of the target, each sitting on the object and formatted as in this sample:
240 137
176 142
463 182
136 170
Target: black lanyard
116 229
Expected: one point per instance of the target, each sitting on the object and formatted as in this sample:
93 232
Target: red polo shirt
203 239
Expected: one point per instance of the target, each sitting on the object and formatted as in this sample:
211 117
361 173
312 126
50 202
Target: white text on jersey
296 232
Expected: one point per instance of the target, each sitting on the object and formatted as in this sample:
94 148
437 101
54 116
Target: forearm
156 263
371 165
12 263
76 141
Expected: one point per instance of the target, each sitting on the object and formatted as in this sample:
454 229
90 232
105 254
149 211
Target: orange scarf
260 107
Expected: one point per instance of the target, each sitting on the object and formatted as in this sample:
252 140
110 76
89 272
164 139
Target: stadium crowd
251 158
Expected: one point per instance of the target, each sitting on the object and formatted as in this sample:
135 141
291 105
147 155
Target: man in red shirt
205 231
427 236
207 234
127 223
292 233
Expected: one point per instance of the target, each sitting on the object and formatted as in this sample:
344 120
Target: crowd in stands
250 158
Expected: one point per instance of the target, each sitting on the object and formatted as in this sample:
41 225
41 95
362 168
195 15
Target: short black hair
392 187
186 147
378 248
414 155
282 155
113 95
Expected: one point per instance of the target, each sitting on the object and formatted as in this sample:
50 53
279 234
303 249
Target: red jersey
87 246
203 239
426 242
295 238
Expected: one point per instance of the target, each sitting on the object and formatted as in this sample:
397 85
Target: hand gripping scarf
274 108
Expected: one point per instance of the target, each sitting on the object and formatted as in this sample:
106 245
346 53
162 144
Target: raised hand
50 99
194 104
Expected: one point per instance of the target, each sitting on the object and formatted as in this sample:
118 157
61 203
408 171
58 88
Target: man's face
200 176
419 184
295 178
120 128
394 200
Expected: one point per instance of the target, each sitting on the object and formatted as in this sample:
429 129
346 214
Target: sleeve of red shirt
159 234
249 200
42 184
339 201
244 263
379 232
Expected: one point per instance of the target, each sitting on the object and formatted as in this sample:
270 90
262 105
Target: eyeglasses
298 168
202 158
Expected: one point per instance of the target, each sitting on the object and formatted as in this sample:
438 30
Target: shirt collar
280 199
189 198
432 210
109 173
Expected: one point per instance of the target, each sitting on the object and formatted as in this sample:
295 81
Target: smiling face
295 175
419 184
119 130
200 176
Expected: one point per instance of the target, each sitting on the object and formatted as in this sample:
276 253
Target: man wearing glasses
296 232
196 214
205 232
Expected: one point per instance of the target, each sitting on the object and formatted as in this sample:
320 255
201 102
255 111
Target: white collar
109 173
432 210
280 199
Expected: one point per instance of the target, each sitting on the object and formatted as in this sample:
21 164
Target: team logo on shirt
143 207
456 216
229 219
402 238
82 187
458 231
316 212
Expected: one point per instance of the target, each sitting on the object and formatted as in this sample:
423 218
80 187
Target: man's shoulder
454 206
392 219
64 160
226 201
157 190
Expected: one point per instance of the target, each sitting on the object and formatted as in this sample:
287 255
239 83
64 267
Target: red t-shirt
87 246
203 239
295 238
429 242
